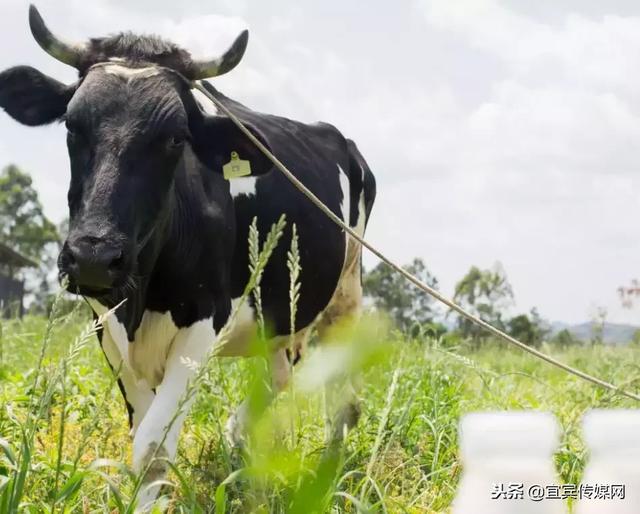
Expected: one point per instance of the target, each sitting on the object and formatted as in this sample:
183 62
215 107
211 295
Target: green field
401 458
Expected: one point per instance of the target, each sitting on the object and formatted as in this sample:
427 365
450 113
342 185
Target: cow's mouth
105 294
83 290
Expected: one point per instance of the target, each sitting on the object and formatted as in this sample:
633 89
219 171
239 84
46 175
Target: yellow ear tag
236 167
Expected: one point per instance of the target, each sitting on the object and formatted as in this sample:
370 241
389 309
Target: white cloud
544 166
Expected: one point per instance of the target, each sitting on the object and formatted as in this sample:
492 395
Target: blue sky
498 131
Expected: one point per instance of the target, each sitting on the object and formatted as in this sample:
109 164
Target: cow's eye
175 142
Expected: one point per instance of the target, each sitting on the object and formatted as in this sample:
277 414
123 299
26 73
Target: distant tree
24 226
530 329
542 326
407 305
564 338
485 293
635 340
523 330
598 321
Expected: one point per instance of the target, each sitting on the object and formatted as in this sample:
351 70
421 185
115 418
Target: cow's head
129 118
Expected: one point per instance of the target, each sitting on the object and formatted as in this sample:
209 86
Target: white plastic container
613 440
505 455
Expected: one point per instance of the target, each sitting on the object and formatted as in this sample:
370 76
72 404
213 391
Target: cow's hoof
235 431
346 418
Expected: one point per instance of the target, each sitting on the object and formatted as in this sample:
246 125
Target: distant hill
614 333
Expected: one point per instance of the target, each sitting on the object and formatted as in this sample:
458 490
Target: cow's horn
224 63
67 53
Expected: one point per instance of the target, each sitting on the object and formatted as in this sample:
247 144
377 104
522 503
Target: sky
498 131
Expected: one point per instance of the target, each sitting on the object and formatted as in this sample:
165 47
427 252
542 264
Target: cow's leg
345 403
137 394
157 435
282 360
239 422
345 305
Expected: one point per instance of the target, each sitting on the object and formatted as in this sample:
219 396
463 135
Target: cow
154 222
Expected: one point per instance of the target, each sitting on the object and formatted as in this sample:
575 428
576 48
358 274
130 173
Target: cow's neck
183 267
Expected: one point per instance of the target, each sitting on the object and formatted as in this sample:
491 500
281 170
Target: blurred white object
613 440
507 458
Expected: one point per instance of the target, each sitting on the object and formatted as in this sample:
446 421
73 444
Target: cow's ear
215 138
31 97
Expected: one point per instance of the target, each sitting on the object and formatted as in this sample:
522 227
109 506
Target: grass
402 457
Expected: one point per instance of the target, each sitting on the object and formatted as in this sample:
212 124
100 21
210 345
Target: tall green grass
402 457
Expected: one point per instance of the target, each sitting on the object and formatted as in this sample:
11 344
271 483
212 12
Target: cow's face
128 122
126 130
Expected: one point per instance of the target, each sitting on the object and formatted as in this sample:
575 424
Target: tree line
486 293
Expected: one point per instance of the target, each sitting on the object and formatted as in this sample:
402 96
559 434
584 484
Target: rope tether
414 280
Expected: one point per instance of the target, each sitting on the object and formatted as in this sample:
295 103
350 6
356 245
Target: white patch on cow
243 186
146 355
242 332
159 431
362 216
280 370
131 73
238 186
347 297
346 195
207 106
115 329
138 393
246 314
151 345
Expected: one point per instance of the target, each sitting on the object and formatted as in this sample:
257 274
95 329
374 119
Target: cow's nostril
117 262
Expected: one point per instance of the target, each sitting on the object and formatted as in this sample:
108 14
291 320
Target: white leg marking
157 433
137 393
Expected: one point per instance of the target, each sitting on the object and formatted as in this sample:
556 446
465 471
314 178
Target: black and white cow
153 220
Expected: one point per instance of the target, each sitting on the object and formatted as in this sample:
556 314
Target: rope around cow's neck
411 278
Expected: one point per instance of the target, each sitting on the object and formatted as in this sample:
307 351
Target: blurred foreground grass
402 457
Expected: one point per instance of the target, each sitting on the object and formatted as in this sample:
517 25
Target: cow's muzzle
93 266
